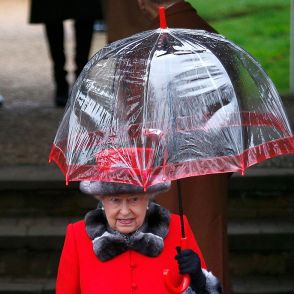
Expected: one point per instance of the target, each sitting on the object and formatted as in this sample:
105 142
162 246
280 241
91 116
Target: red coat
80 271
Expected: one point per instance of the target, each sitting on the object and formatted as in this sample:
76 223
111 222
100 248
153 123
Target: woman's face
124 213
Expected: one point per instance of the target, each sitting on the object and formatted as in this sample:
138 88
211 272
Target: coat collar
148 240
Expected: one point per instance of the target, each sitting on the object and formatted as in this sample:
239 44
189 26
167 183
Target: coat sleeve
68 270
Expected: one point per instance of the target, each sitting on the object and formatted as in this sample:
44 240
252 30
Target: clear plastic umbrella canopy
167 104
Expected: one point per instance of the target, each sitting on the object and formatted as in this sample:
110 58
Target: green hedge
262 27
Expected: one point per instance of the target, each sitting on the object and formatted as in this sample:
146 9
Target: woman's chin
125 228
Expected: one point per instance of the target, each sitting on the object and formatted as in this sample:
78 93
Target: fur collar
147 240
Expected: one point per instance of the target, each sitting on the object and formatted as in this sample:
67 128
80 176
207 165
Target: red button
134 286
133 265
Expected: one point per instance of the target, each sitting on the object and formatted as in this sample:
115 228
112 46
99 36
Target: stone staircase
261 232
34 213
33 216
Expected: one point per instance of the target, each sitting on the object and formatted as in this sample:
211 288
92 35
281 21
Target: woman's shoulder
77 227
77 231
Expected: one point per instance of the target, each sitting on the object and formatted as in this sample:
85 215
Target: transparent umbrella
167 104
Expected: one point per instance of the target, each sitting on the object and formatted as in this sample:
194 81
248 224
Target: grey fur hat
111 188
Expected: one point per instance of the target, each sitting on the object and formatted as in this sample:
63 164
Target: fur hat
111 188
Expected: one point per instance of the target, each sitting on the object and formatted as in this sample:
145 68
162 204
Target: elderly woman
125 244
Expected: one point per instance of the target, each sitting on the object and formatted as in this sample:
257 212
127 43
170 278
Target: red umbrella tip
66 180
162 18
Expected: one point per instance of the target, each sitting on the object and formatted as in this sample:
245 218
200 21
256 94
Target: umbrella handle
185 282
185 279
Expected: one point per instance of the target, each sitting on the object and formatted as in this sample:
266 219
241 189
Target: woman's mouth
126 221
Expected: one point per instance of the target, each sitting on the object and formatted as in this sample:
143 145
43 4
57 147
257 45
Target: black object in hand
189 263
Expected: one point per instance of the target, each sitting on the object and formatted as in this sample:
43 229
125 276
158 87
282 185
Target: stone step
263 179
262 193
27 286
261 235
263 285
26 263
44 201
261 263
40 191
260 204
38 233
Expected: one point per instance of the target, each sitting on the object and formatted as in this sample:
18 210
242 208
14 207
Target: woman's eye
134 200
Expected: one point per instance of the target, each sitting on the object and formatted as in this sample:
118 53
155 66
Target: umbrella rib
124 48
217 90
145 102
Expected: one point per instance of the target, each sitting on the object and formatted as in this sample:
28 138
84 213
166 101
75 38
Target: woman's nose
125 208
